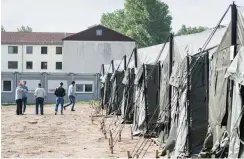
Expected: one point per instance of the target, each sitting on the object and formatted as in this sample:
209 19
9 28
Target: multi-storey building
50 58
83 52
32 52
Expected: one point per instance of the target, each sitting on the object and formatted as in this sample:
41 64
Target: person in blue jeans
60 93
24 96
40 95
18 97
71 94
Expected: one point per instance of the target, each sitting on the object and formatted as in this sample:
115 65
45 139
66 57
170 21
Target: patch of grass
87 102
29 137
82 102
8 104
14 104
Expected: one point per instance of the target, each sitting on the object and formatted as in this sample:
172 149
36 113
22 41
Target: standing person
60 93
71 94
18 98
40 95
24 96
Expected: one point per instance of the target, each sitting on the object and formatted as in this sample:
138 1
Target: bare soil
70 135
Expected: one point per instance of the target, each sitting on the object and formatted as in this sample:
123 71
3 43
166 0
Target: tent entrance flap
116 93
127 105
146 111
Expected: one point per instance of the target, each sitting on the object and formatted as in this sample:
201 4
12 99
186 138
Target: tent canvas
146 100
116 95
182 45
179 126
106 90
225 106
128 96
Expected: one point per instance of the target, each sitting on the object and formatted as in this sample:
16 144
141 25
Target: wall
34 78
36 57
88 56
10 57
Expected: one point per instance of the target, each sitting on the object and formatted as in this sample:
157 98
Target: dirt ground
70 135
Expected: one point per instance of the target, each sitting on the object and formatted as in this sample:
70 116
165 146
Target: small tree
24 29
190 30
2 29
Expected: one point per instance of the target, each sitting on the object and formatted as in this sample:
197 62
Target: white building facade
31 58
88 56
86 51
32 51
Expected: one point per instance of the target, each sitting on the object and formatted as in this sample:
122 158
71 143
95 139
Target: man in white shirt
71 94
18 98
40 95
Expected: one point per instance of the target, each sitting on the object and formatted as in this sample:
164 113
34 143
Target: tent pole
206 74
188 146
135 56
125 62
233 34
230 84
159 81
145 94
112 63
170 71
103 69
234 27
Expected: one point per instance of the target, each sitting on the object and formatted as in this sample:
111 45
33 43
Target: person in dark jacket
60 93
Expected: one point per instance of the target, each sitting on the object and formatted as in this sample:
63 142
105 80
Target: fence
87 85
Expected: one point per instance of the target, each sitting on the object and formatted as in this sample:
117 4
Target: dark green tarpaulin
146 100
116 95
128 96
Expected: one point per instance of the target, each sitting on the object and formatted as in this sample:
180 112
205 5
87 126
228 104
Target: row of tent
188 92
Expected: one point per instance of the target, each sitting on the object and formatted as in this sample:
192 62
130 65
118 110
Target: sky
77 15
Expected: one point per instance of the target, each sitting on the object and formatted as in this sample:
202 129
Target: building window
58 65
84 86
88 88
29 49
12 64
13 49
99 32
79 88
43 50
43 65
29 65
6 86
58 50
